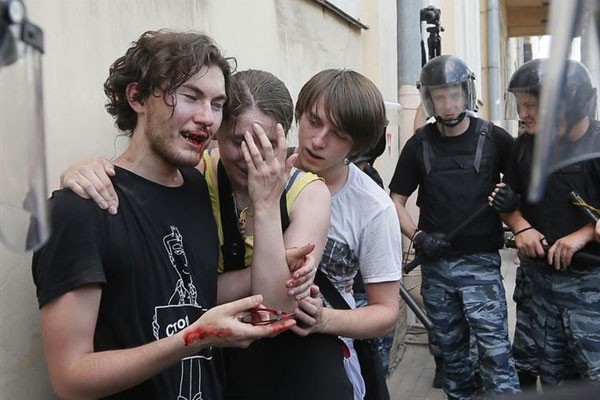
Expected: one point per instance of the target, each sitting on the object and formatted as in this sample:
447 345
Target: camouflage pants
567 310
465 296
524 349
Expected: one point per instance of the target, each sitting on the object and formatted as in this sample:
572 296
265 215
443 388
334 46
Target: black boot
527 380
438 378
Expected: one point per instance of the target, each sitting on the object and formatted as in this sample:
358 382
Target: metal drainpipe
494 77
409 41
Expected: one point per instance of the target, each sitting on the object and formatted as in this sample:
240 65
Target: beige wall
291 38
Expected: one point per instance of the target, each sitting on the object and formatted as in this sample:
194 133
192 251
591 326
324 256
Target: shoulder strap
234 248
283 210
330 292
484 128
426 147
285 218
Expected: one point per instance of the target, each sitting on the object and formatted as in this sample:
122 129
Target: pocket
583 331
519 282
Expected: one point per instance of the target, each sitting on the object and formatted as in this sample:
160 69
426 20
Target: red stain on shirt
202 332
346 350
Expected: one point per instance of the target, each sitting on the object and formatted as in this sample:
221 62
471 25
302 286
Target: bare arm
561 252
309 223
236 284
528 241
267 177
376 319
77 372
408 226
380 256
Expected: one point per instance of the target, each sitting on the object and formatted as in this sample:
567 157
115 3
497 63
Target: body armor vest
456 185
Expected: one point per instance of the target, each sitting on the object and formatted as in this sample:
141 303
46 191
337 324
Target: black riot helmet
579 94
567 96
526 79
444 72
23 218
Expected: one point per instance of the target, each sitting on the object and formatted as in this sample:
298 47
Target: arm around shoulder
90 179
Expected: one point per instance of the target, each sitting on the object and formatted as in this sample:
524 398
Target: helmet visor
447 99
557 143
24 224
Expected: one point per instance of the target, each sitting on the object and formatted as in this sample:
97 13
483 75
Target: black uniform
463 290
156 262
564 306
451 188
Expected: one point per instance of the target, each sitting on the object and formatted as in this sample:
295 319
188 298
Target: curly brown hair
159 62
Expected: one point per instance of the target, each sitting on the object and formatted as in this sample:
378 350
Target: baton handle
578 256
420 313
579 202
478 213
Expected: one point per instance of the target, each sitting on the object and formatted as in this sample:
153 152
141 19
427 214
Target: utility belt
484 243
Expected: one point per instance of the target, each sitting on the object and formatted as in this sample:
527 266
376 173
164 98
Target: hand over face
267 168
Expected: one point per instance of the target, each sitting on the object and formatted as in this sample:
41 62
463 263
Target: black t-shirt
156 261
411 173
554 215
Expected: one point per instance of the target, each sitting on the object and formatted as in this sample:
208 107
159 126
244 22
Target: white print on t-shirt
185 292
175 316
340 264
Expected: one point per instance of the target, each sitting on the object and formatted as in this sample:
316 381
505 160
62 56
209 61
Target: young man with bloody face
128 301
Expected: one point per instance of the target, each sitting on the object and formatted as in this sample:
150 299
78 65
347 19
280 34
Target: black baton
478 213
416 308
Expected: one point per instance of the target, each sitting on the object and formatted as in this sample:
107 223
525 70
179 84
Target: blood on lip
196 139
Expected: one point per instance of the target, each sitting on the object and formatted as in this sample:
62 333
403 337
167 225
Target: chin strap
451 122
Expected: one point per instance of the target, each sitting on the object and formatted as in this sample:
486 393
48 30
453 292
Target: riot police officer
455 161
565 295
524 87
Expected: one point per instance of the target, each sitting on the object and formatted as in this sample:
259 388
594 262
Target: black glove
431 245
505 200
